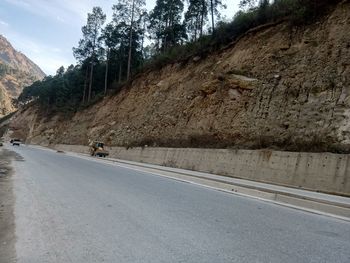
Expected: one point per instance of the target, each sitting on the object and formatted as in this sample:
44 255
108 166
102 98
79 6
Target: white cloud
20 3
60 19
56 50
4 23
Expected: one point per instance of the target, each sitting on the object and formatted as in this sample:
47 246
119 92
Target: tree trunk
212 17
202 18
90 84
120 73
106 74
85 83
143 40
130 39
121 51
171 24
196 29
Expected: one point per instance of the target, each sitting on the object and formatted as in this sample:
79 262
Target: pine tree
197 15
128 14
90 44
165 23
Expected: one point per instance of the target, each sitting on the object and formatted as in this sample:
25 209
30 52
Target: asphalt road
69 209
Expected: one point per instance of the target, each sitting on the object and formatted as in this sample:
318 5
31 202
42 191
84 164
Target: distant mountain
16 72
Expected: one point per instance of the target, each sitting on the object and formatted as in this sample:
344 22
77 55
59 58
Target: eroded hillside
16 72
278 86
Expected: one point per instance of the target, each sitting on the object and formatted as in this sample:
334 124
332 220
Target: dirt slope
278 87
16 72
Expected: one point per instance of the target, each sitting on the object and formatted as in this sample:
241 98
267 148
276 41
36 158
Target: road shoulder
7 201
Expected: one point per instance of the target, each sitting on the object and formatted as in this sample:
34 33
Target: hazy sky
46 30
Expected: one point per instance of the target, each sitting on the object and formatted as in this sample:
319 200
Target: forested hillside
110 53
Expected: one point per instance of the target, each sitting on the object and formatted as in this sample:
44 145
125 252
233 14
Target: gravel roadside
7 200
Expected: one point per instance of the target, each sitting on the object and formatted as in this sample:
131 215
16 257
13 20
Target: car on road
16 142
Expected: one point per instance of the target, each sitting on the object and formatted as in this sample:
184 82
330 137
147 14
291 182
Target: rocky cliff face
16 72
278 87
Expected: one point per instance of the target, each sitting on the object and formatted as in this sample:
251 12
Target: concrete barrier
324 172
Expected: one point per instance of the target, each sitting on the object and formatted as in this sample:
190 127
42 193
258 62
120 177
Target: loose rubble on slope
278 87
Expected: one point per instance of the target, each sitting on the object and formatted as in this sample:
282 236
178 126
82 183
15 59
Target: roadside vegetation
110 54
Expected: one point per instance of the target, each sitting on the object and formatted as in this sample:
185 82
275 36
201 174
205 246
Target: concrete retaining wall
325 172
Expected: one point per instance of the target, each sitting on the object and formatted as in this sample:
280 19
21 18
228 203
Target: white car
16 142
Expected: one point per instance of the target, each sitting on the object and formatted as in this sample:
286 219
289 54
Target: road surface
70 209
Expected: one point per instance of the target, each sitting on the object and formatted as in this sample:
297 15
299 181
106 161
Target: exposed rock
306 107
234 94
210 87
196 59
16 72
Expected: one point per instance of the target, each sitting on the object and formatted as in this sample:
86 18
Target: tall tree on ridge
215 5
127 18
89 45
165 23
130 38
108 37
197 15
129 13
193 18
